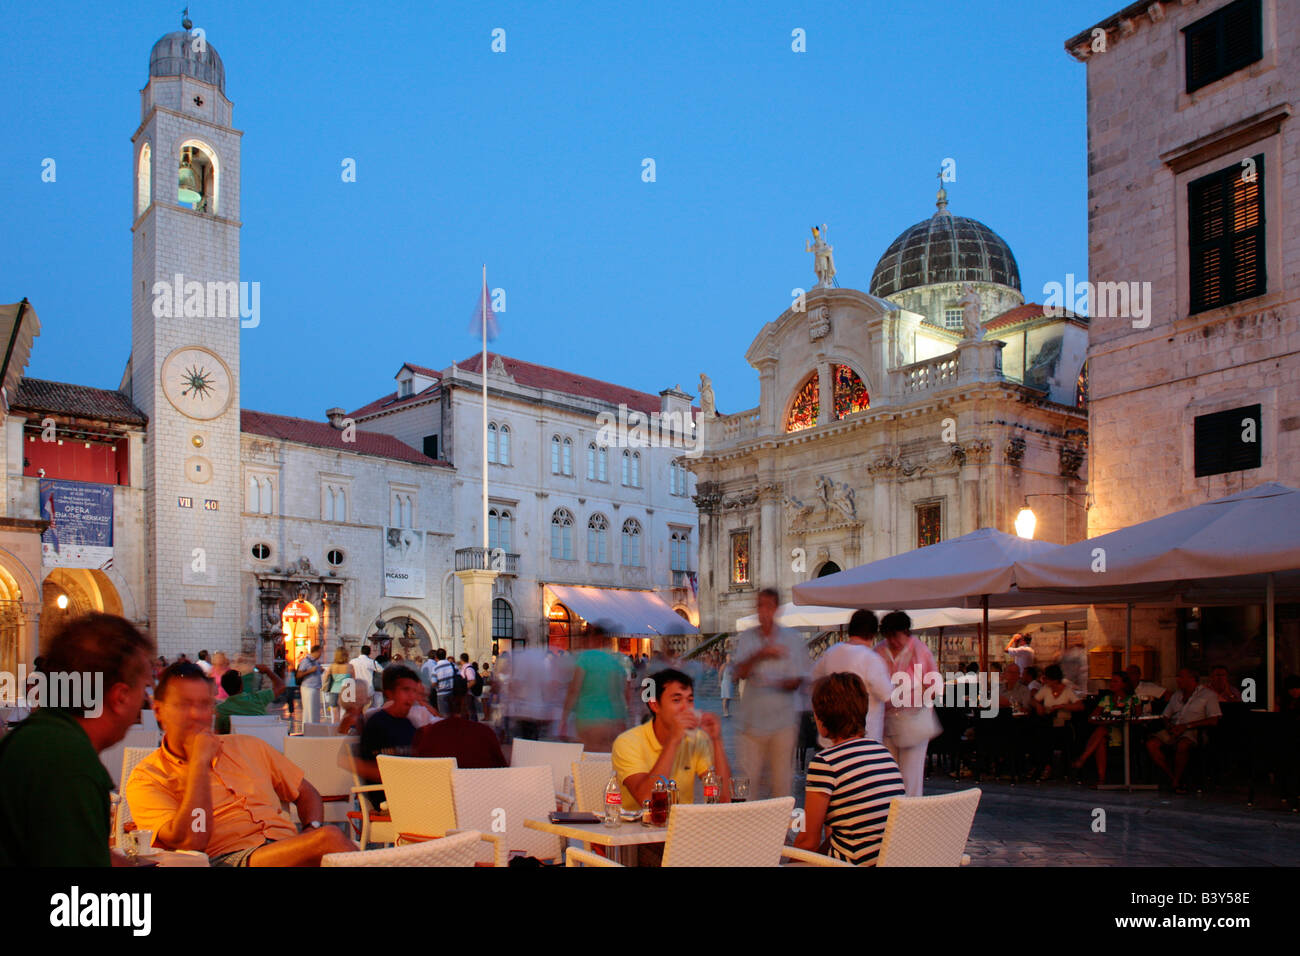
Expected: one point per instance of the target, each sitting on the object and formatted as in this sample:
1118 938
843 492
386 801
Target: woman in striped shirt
851 783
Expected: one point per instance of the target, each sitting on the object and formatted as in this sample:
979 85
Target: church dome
176 55
944 249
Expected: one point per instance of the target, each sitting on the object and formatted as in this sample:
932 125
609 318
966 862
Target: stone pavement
1051 824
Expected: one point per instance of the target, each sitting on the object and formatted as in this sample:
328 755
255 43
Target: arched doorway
503 626
830 567
559 627
11 625
68 593
299 625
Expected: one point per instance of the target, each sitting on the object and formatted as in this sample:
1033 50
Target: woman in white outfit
910 728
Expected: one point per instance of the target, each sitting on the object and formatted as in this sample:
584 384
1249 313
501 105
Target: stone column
476 587
769 531
825 394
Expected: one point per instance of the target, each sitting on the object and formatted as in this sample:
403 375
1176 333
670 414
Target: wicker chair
418 791
727 834
270 731
122 817
557 755
460 849
369 825
319 760
590 777
928 831
488 800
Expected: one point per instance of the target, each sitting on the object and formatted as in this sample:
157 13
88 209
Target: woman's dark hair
840 703
1054 672
1031 672
863 624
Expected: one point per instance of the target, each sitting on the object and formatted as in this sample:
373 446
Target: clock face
196 382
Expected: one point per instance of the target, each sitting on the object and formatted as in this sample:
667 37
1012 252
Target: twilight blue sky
531 161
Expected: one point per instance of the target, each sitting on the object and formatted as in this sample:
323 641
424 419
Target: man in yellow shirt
222 795
678 744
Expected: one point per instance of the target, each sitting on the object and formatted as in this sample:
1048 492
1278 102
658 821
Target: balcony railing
739 426
481 559
934 373
682 579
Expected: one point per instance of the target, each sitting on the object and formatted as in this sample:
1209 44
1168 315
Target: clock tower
184 369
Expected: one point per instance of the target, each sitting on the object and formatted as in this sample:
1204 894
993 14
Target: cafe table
1147 720
621 840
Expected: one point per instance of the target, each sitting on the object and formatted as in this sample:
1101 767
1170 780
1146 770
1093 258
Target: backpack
477 689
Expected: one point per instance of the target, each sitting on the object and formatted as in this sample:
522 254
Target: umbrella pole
1128 635
984 637
1271 647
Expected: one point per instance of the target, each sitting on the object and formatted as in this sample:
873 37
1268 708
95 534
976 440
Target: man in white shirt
204 664
364 667
1190 707
855 656
427 668
1020 652
1144 688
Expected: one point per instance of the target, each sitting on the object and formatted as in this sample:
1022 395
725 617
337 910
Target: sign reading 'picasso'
80 534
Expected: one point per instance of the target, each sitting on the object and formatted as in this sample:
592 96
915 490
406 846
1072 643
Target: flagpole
483 372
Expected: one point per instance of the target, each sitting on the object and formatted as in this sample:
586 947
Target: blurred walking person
774 664
908 728
596 696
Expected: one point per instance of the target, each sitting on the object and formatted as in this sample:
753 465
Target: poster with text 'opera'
80 534
403 563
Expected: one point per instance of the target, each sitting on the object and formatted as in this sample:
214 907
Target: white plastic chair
590 777
486 799
928 831
318 759
272 734
724 834
460 849
418 793
558 755
318 730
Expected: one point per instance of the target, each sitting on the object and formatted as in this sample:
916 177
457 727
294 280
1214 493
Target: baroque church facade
934 403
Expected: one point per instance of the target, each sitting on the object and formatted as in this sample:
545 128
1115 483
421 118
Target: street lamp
1026 521
62 602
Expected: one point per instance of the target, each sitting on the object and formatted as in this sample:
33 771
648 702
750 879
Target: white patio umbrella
1238 549
802 615
949 574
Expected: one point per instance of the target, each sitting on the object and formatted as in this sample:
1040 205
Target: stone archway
68 593
410 631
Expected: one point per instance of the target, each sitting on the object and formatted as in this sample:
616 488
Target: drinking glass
739 789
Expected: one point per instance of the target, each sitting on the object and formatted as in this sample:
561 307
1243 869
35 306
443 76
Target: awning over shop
621 611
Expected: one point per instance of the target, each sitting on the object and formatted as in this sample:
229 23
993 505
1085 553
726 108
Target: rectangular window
1225 216
1228 441
740 557
431 446
952 319
929 524
1222 43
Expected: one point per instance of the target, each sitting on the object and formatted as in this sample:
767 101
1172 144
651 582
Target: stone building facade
573 502
881 429
1194 196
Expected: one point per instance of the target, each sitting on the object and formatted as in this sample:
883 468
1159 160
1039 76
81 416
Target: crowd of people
225 795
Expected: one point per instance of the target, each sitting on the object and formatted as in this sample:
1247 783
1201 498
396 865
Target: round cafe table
1127 721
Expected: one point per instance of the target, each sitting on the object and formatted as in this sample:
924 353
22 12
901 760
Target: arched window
1081 388
677 478
850 394
636 469
503 620
568 456
197 177
806 405
680 550
631 543
503 445
562 534
593 456
500 522
254 496
830 567
598 539
555 454
492 442
267 502
602 463
144 181
627 467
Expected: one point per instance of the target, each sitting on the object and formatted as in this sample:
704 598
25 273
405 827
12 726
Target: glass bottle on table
613 802
712 792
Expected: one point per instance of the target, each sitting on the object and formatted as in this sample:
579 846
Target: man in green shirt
245 703
54 807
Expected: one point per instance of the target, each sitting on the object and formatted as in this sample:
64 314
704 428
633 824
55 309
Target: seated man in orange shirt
222 795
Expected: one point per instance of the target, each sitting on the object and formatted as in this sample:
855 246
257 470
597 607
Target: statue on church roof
823 257
707 408
971 306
